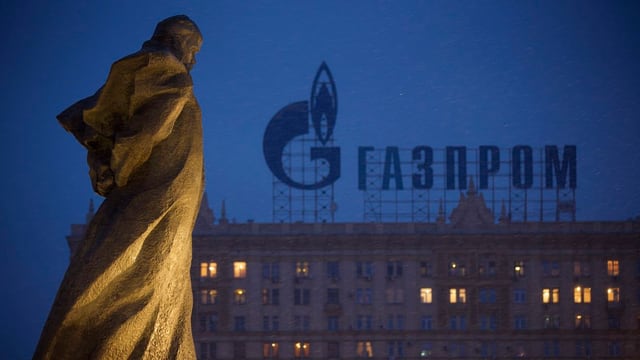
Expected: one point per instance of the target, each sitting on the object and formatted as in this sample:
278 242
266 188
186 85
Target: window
270 296
333 350
301 350
270 323
613 295
582 321
426 322
303 269
518 269
581 268
551 348
364 349
364 322
614 321
395 322
426 350
614 348
487 268
364 270
426 269
208 296
426 295
333 323
487 296
458 322
333 296
239 269
240 296
207 350
550 295
551 268
613 267
520 322
395 295
488 349
364 296
239 323
208 269
457 269
302 322
583 348
270 350
271 271
581 294
457 296
488 322
333 270
551 321
519 296
239 350
394 269
212 322
301 296
395 349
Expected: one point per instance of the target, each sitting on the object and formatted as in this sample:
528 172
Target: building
467 288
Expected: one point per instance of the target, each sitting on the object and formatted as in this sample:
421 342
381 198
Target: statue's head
181 36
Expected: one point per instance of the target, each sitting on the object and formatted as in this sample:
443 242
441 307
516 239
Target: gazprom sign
299 149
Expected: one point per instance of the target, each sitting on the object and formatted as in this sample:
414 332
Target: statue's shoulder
148 58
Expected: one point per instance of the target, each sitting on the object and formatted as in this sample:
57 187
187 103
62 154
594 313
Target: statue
127 292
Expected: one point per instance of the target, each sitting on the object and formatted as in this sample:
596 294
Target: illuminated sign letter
485 169
362 166
519 154
392 158
423 156
552 165
462 167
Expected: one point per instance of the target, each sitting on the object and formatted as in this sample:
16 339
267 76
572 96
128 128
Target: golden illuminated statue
127 291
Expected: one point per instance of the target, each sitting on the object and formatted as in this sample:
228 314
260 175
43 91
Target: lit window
364 349
613 295
457 269
582 321
301 350
518 269
551 295
240 296
208 296
239 269
613 268
581 295
426 295
208 269
270 350
457 296
302 269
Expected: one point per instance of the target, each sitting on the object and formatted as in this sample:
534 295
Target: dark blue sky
408 73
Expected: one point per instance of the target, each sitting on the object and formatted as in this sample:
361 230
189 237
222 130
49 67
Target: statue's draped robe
127 292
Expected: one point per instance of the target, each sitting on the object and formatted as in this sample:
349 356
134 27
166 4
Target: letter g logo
293 121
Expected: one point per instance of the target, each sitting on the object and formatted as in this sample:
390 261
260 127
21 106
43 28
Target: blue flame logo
293 121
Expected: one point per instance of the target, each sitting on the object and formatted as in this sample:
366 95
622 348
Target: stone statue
127 292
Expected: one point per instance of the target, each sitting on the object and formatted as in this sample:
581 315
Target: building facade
465 288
